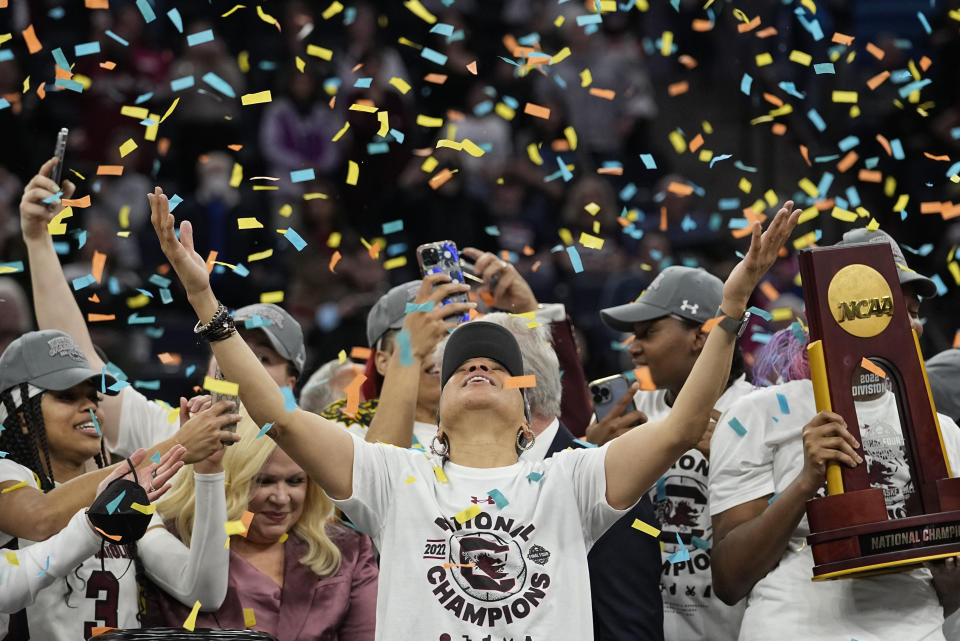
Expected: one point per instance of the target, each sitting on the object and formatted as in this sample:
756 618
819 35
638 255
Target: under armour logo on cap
687 307
65 346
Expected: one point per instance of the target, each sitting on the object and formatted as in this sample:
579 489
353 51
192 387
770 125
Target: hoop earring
438 440
525 442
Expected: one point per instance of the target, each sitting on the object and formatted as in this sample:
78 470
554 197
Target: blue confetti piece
190 370
175 18
941 288
67 83
773 498
628 192
575 259
824 185
648 161
397 135
564 171
584 444
6 54
302 175
908 89
717 159
954 168
784 406
148 122
433 56
295 239
534 477
738 223
86 48
823 159
728 203
12 267
762 313
174 201
681 555
84 281
117 38
146 11
119 385
737 426
798 332
45 569
256 321
588 19
853 196
3 455
144 292
742 167
219 84
115 503
363 83
824 67
392 226
897 148
498 498
406 349
375 148
53 198
923 250
745 83
442 28
688 224
56 13
96 423
661 489
923 22
492 230
396 249
955 133
199 37
136 319
240 270
700 543
179 84
156 458
159 281
60 59
848 143
810 24
816 119
143 98
289 401
418 307
263 430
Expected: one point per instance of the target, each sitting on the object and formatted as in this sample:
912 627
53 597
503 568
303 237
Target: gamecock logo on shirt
491 568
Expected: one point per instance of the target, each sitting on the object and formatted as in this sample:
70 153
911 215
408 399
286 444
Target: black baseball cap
480 339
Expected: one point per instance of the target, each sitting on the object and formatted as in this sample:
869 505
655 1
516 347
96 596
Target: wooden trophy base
852 536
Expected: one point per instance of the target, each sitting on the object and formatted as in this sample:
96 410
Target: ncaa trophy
858 319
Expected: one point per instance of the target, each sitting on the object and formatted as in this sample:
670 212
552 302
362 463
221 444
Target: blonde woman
321 575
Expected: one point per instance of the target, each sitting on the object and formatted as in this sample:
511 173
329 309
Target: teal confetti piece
137 319
648 161
397 135
302 175
153 385
816 119
5 54
534 477
699 543
363 83
86 48
144 292
117 38
375 148
575 259
263 430
745 83
200 37
688 224
737 426
146 11
174 201
798 332
492 230
53 197
896 147
289 402
115 503
159 281
45 569
848 143
156 458
824 67
392 226
240 270
219 84
175 18
717 159
762 313
3 455
119 385
190 371
590 18
103 379
661 489
60 59
85 281
498 498
908 89
681 555
584 444
773 498
96 423
564 171
923 22
791 89
418 307
67 83
742 167
295 239
433 56
179 84
406 350
442 28
784 406
142 98
255 321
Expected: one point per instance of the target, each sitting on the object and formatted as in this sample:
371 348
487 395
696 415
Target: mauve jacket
341 607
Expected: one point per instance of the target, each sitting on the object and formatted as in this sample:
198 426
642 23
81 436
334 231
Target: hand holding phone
612 398
215 397
59 151
442 257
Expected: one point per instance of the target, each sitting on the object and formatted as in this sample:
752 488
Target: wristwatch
735 326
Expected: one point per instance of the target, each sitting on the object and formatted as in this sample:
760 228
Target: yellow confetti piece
409 43
556 23
534 154
873 225
677 140
504 111
395 262
771 197
561 55
845 96
266 17
901 203
889 186
400 84
236 175
334 8
124 216
243 61
319 52
26 82
334 239
340 133
429 164
954 268
592 208
16 486
808 187
666 43
805 241
56 226
801 58
249 619
705 155
863 212
236 7
12 557
249 223
221 387
565 236
286 210
429 121
384 118
645 527
284 537
763 59
586 78
466 514
472 148
438 471
301 65
256 98
591 242
260 255
138 301
843 214
808 214
271 297
145 509
353 172
234 528
410 479
781 314
134 112
191 621
571 135
127 147
745 185
173 105
420 11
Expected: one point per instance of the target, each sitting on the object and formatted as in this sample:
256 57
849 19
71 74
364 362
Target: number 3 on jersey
103 587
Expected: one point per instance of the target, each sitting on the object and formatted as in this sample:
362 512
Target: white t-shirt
543 442
142 423
527 576
690 610
764 461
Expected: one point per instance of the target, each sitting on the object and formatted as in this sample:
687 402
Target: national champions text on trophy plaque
856 310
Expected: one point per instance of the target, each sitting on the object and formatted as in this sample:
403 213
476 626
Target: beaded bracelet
218 328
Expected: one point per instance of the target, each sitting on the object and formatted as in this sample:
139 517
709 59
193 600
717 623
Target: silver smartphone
606 392
59 151
217 396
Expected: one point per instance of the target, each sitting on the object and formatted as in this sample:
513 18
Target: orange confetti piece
41 91
778 129
334 259
79 203
352 391
163 146
472 67
744 27
170 359
772 99
687 61
447 566
528 250
361 353
96 4
943 158
96 318
520 382
806 155
62 73
663 219
769 291
211 259
536 111
246 518
767 32
885 144
535 266
680 189
97 264
710 324
110 170
94 299
642 374
956 340
234 147
701 25
678 88
931 207
878 79
847 161
875 51
924 63
30 38
112 537
610 171
841 38
436 78
97 631
109 65
607 94
870 366
869 176
441 177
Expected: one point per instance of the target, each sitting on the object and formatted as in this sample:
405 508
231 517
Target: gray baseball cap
924 286
390 310
282 330
943 372
688 292
47 359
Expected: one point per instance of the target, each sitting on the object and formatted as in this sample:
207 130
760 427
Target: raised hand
191 268
763 252
201 434
509 290
152 478
429 328
35 214
617 421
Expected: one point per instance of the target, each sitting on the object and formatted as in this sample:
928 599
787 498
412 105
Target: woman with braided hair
81 577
